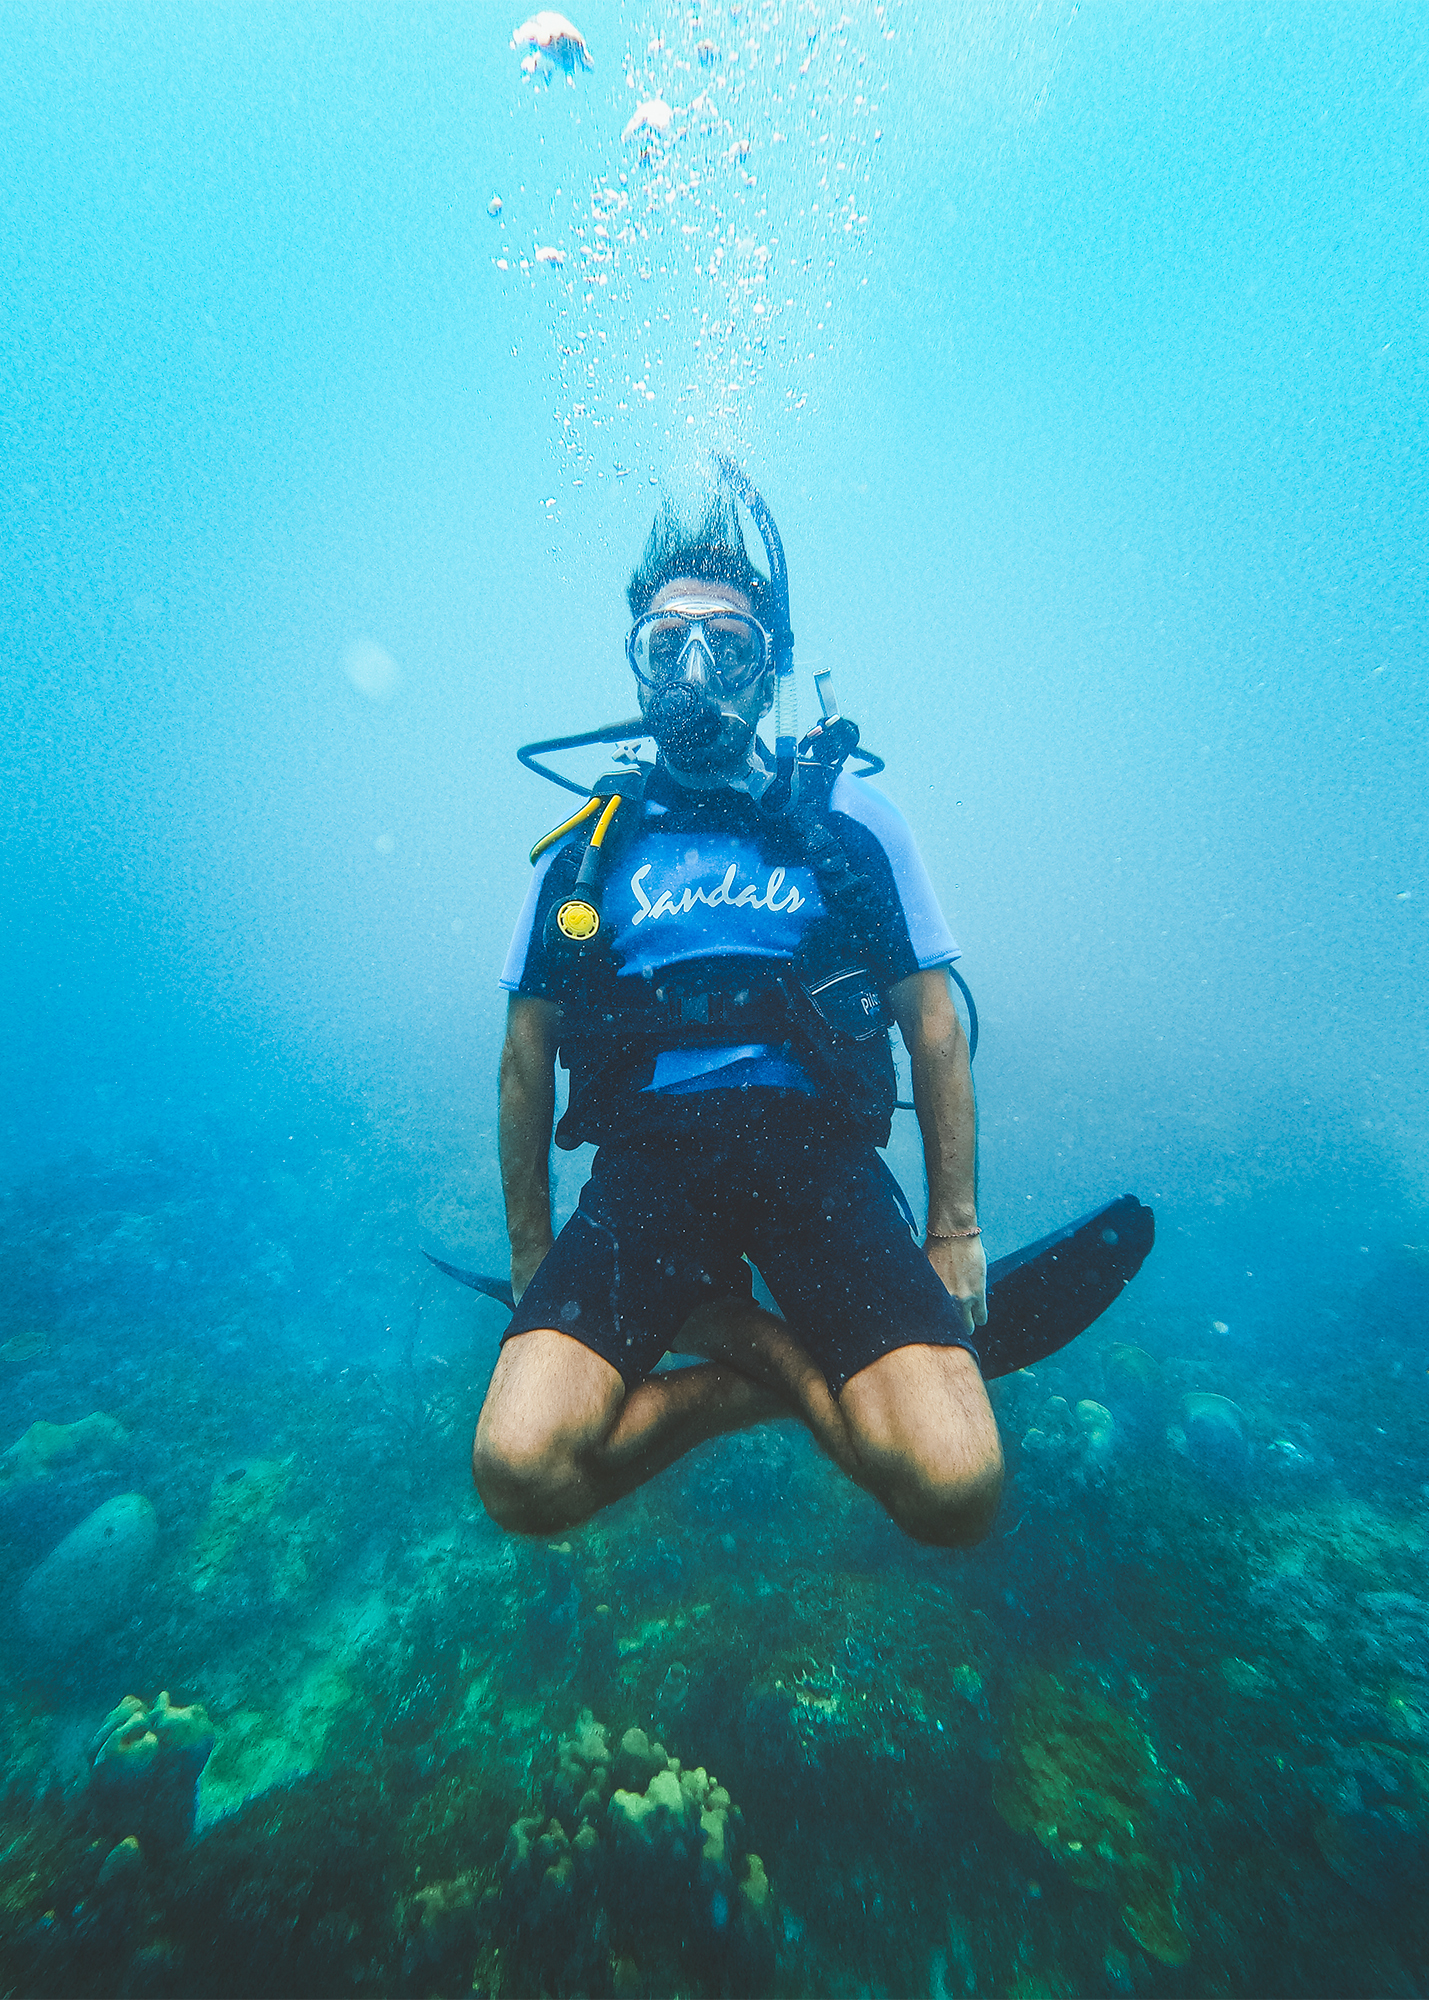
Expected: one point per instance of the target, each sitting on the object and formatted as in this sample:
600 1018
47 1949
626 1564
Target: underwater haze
1080 352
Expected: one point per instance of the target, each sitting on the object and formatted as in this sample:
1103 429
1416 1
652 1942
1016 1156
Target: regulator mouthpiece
683 720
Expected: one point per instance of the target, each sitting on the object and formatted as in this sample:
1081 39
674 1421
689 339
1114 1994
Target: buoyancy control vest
811 982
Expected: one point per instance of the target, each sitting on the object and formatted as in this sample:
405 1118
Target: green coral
44 1446
1341 1540
1128 1366
147 1761
1374 1829
1081 1440
261 1749
1079 1774
25 1346
652 1891
248 1527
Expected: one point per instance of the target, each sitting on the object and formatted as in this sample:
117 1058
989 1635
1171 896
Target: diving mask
730 648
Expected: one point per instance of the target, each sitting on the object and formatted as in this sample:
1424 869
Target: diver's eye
735 646
664 644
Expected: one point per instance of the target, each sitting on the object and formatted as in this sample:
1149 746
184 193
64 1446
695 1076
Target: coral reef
1374 1827
21 1347
651 1890
1130 1368
1214 1430
265 1748
123 1866
393 1682
247 1531
1078 1442
1085 1780
1133 1384
88 1581
45 1446
147 1763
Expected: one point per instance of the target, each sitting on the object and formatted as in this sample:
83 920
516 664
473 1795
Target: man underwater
719 965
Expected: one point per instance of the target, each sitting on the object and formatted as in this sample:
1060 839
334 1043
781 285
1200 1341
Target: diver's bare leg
914 1428
560 1437
745 1337
926 1440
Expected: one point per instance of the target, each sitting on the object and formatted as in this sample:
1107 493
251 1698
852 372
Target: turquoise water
1080 352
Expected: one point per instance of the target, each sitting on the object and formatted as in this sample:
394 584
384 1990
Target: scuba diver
716 948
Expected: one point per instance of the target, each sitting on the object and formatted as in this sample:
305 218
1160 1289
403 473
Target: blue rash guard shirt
676 899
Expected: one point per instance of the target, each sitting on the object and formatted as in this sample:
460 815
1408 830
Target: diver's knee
549 1407
951 1512
524 1483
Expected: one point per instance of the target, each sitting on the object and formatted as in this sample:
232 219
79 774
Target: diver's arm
528 1109
943 1098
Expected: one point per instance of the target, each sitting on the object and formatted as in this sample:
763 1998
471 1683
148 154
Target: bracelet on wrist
951 1235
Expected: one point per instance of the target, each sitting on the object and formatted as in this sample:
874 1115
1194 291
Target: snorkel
786 706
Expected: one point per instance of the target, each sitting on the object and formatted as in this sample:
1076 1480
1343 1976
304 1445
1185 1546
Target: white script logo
774 896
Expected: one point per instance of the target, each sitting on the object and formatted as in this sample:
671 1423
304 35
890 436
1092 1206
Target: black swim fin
494 1288
1038 1298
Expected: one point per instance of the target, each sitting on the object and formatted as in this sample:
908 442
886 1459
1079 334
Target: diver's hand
962 1266
526 1261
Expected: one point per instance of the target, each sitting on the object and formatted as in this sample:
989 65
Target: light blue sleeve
514 970
932 941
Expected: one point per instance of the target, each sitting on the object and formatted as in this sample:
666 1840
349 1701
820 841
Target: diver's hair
713 550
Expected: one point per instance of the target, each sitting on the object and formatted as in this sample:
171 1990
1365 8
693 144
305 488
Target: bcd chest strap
739 1000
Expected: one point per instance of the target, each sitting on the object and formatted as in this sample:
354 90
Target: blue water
1080 352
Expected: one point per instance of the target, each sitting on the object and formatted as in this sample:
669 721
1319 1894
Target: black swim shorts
664 1226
